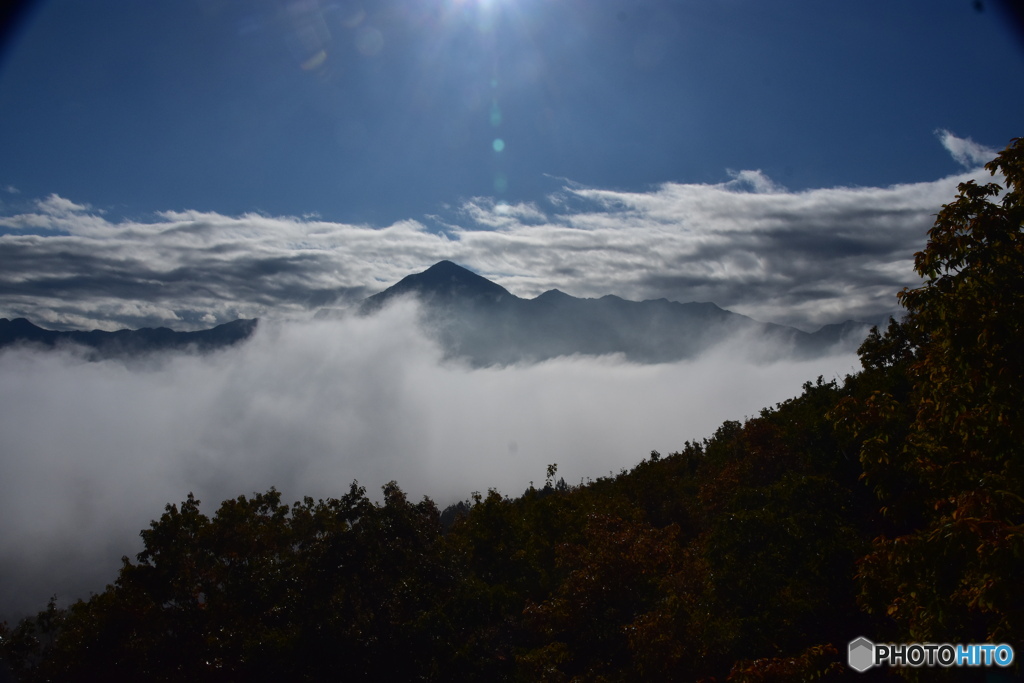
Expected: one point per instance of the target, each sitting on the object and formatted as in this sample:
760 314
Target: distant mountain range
99 344
482 322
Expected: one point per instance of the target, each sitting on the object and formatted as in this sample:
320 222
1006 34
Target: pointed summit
444 282
477 320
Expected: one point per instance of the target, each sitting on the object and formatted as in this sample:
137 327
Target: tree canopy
945 454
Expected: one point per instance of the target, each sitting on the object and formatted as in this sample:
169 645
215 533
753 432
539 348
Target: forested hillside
890 505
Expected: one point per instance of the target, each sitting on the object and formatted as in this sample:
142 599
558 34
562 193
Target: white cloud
59 206
804 258
753 181
800 257
93 451
965 151
485 211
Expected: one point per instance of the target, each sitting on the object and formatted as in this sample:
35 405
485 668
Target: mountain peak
443 282
553 295
450 279
446 266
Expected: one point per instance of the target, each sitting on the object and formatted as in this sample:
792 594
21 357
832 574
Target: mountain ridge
479 321
101 344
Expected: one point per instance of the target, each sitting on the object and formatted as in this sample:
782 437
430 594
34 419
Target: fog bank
91 452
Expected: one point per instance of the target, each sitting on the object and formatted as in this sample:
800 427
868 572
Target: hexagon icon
862 655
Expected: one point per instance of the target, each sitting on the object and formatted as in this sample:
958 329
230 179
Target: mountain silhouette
444 283
484 324
480 321
100 344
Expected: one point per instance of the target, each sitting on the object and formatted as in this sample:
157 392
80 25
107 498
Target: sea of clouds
92 451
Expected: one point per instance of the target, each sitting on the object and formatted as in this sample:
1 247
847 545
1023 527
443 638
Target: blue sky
376 114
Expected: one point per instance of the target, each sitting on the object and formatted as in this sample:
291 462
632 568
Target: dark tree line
890 505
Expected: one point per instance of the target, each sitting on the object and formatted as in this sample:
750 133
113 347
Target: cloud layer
93 451
803 258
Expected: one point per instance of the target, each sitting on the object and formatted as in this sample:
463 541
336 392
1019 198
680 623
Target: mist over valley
310 406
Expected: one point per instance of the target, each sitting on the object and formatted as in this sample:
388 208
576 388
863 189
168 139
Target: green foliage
944 454
968 318
263 590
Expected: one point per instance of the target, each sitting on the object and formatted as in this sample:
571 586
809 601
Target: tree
261 591
955 575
